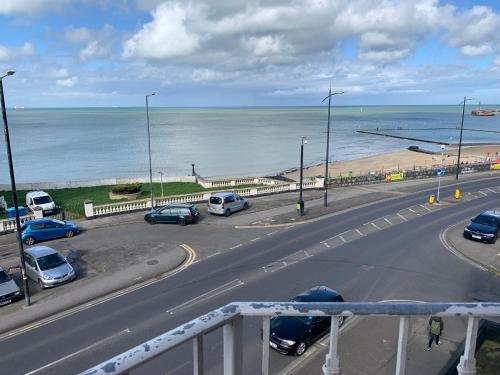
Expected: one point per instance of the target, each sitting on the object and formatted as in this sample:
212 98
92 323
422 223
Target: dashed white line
214 254
326 244
359 232
270 234
375 225
402 217
427 208
409 208
255 239
493 191
387 221
482 192
342 238
236 246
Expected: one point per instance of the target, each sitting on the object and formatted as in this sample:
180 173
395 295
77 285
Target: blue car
45 229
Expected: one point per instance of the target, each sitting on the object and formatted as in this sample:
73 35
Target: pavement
104 271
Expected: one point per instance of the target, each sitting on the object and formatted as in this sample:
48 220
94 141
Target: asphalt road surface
354 253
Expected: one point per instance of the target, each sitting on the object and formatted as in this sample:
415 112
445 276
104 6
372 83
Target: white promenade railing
9 225
230 318
270 187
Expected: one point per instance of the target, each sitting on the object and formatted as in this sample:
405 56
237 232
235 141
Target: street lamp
461 131
149 150
301 201
440 173
161 182
325 183
14 191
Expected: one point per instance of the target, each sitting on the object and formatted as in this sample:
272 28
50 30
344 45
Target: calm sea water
92 143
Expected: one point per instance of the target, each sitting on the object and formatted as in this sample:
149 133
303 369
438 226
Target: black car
294 334
181 214
484 227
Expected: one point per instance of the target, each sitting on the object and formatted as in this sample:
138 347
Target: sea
71 144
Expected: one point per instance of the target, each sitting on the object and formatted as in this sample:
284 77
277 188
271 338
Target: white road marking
427 208
482 192
213 254
51 364
255 239
402 217
337 235
387 221
490 189
211 293
359 232
375 225
236 246
326 244
270 234
343 239
409 208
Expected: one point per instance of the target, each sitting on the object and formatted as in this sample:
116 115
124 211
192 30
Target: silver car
47 267
9 291
226 203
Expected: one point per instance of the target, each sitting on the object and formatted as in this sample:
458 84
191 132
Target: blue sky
248 53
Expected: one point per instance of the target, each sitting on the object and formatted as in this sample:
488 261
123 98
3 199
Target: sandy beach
400 160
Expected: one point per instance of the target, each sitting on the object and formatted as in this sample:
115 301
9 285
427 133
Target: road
353 253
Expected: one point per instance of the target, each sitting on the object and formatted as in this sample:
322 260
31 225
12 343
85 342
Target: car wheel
152 221
29 241
227 213
40 284
300 349
245 206
69 234
181 222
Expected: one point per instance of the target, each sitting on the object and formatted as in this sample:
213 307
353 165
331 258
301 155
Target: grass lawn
71 199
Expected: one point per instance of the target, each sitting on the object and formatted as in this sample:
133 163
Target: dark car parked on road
43 229
181 214
293 334
9 291
484 227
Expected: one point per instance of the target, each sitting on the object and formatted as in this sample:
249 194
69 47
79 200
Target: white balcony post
467 365
233 348
266 323
198 355
332 362
89 209
404 327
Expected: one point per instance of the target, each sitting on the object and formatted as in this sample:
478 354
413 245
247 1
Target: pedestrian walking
436 327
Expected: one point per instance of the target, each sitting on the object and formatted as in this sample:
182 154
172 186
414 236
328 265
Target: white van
41 199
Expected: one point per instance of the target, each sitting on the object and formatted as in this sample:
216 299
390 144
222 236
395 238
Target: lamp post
14 191
149 150
301 201
441 173
161 182
461 131
329 97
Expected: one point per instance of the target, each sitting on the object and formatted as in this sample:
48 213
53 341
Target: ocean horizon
88 143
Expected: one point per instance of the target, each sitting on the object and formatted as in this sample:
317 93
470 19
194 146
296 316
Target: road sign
440 172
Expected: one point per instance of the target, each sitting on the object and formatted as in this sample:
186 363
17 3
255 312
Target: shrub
127 188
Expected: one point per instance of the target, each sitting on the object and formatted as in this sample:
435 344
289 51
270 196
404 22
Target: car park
9 291
294 334
47 228
47 267
226 203
484 227
181 214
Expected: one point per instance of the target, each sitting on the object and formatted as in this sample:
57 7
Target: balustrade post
233 347
467 365
89 209
332 362
266 325
198 355
404 327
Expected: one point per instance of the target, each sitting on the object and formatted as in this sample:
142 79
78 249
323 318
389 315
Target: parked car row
219 204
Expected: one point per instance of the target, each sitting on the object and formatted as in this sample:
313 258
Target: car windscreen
486 220
215 200
42 200
4 277
50 261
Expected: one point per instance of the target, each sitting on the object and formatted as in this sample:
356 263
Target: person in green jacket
436 327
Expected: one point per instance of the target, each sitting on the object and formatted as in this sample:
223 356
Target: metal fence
230 319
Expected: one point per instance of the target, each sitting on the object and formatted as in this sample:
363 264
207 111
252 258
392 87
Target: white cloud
497 61
200 75
93 50
30 6
77 35
68 82
165 36
479 50
11 53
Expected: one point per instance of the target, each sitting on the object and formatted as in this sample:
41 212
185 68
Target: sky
205 53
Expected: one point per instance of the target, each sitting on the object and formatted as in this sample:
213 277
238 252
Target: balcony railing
230 319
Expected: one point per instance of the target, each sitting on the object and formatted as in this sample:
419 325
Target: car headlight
288 342
466 229
17 293
46 276
488 234
71 271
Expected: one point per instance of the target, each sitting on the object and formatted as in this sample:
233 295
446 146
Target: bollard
457 193
431 199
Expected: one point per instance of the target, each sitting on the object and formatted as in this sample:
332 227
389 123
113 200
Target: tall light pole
440 173
327 159
161 182
301 201
461 131
14 191
149 150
